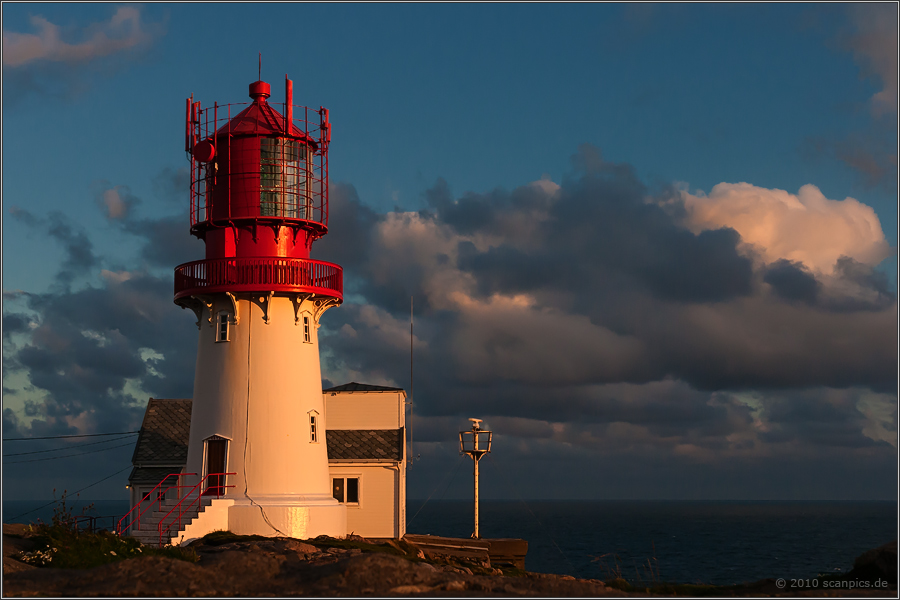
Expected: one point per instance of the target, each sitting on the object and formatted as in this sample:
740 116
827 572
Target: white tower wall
257 390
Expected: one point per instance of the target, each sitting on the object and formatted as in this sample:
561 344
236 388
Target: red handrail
121 530
218 488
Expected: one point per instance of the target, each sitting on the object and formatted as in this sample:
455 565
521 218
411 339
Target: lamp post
475 443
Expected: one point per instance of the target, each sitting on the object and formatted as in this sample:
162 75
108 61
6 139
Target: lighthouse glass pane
283 178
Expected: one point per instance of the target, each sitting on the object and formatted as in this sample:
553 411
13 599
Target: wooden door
215 467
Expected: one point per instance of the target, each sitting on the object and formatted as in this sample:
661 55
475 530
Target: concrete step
149 532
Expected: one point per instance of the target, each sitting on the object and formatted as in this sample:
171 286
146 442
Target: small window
313 433
352 490
345 489
222 327
306 329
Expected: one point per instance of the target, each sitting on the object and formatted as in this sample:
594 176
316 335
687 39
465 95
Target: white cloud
805 227
122 32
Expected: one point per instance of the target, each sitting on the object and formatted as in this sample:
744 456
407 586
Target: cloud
792 281
61 62
532 301
123 31
79 250
117 202
806 227
874 46
869 153
582 319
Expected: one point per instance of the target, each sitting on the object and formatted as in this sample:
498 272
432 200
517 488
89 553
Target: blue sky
436 108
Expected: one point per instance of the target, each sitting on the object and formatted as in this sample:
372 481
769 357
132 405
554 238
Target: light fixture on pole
475 443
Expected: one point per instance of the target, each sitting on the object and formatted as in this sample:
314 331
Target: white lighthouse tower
259 199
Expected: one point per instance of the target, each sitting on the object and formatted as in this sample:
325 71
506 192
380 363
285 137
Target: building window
313 431
306 329
346 489
222 321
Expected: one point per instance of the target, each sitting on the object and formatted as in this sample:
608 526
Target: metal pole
476 457
412 454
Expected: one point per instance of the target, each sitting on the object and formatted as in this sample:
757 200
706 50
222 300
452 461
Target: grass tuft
62 545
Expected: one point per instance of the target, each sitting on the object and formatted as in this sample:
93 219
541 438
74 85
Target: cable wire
59 437
449 481
75 492
69 448
18 462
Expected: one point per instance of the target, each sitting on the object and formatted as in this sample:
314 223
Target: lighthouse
258 200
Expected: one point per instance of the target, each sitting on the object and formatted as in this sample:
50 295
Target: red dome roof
260 118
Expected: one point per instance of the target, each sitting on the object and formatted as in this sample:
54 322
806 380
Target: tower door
216 451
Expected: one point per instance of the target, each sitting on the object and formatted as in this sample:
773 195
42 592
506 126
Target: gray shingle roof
364 444
362 387
164 433
167 425
152 475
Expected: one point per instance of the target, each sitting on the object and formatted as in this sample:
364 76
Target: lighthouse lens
284 170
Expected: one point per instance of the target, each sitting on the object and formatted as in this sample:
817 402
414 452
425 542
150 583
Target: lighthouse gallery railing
259 274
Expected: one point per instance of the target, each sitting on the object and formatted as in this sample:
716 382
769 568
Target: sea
719 543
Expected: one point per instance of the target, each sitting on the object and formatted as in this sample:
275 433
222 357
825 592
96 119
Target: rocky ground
288 567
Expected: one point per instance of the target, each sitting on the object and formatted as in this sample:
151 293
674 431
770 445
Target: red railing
259 274
159 498
220 490
205 123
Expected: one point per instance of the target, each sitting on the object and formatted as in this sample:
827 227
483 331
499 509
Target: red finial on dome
260 90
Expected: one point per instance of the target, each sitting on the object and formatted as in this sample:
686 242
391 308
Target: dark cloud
14 323
167 241
172 185
869 153
79 251
90 344
350 228
792 281
602 223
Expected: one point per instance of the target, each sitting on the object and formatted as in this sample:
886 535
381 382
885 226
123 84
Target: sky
654 247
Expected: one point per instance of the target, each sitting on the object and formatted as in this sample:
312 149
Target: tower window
313 428
306 329
222 322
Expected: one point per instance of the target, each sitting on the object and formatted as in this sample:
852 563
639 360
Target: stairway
149 533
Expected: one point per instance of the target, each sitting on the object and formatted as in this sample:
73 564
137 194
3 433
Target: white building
367 457
365 437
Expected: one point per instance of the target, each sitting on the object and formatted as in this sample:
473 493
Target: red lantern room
259 197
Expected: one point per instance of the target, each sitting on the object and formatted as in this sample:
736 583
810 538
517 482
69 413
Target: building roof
163 441
364 444
362 387
164 433
152 475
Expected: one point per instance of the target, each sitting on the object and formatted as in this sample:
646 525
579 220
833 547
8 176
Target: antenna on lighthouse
412 456
475 443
